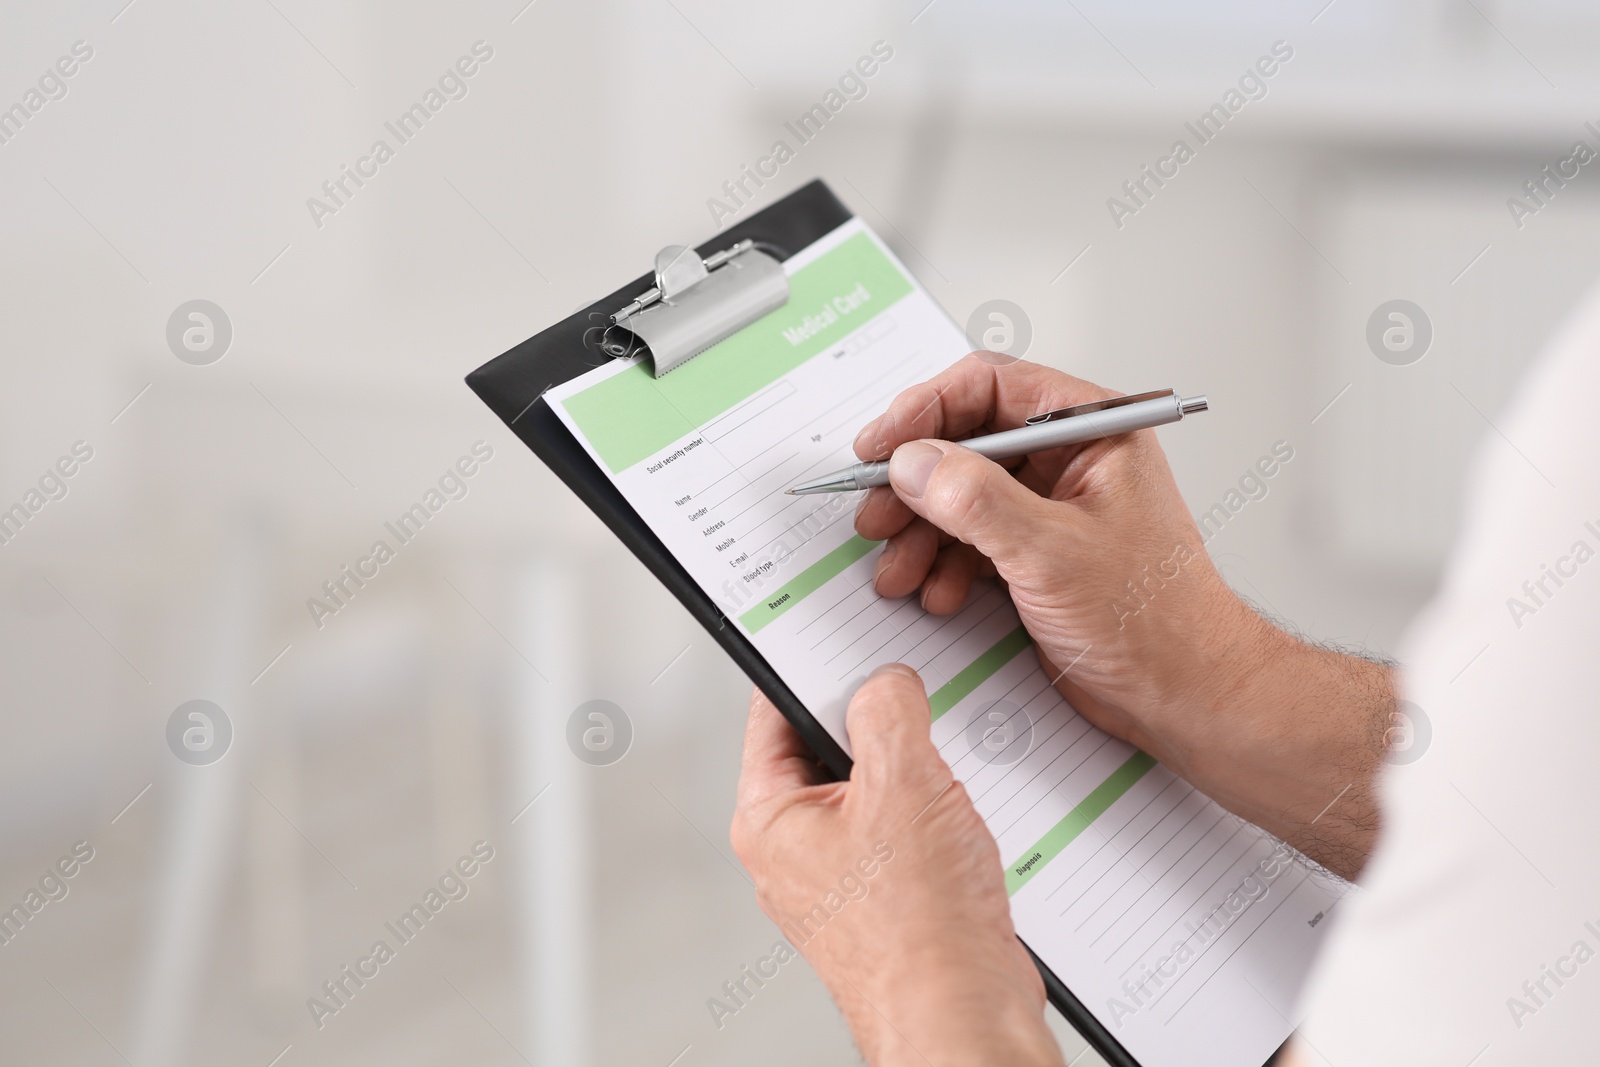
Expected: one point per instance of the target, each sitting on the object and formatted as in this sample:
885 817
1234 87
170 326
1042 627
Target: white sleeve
1474 937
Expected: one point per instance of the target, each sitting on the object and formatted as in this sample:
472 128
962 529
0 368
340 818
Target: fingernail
867 437
873 440
896 668
884 560
912 465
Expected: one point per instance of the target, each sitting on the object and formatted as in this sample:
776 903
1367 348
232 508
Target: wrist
942 1023
1206 661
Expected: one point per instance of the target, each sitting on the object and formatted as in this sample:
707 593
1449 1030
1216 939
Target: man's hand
1129 616
890 885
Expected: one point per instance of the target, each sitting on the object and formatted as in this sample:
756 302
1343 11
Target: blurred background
370 749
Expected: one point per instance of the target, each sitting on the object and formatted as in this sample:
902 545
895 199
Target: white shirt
1475 938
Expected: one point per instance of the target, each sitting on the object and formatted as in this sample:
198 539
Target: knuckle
867 707
920 415
886 691
962 490
743 838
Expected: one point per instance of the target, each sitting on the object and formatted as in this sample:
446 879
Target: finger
889 724
974 499
1040 472
950 580
881 514
775 760
906 560
983 391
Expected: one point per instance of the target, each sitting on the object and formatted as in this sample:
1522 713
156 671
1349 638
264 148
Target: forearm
1303 740
949 1016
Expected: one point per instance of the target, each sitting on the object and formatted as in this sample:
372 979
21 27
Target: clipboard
513 386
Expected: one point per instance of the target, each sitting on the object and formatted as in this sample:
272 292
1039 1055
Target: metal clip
1114 402
697 302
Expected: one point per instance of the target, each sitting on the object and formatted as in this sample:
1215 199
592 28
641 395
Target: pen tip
788 492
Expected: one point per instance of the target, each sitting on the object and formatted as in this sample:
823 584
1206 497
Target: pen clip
1098 405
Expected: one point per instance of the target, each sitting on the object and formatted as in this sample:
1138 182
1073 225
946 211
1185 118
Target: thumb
890 727
969 497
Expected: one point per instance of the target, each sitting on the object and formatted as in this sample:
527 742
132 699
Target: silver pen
1050 429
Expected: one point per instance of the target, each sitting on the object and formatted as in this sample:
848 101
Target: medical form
1177 924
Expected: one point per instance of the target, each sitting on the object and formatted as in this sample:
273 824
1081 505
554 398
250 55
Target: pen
1050 429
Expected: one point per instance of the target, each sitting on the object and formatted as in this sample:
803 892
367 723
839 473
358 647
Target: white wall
424 716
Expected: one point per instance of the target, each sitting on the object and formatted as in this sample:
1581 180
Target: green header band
978 671
1063 833
633 414
806 582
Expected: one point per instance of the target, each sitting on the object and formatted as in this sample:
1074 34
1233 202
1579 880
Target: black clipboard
513 385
